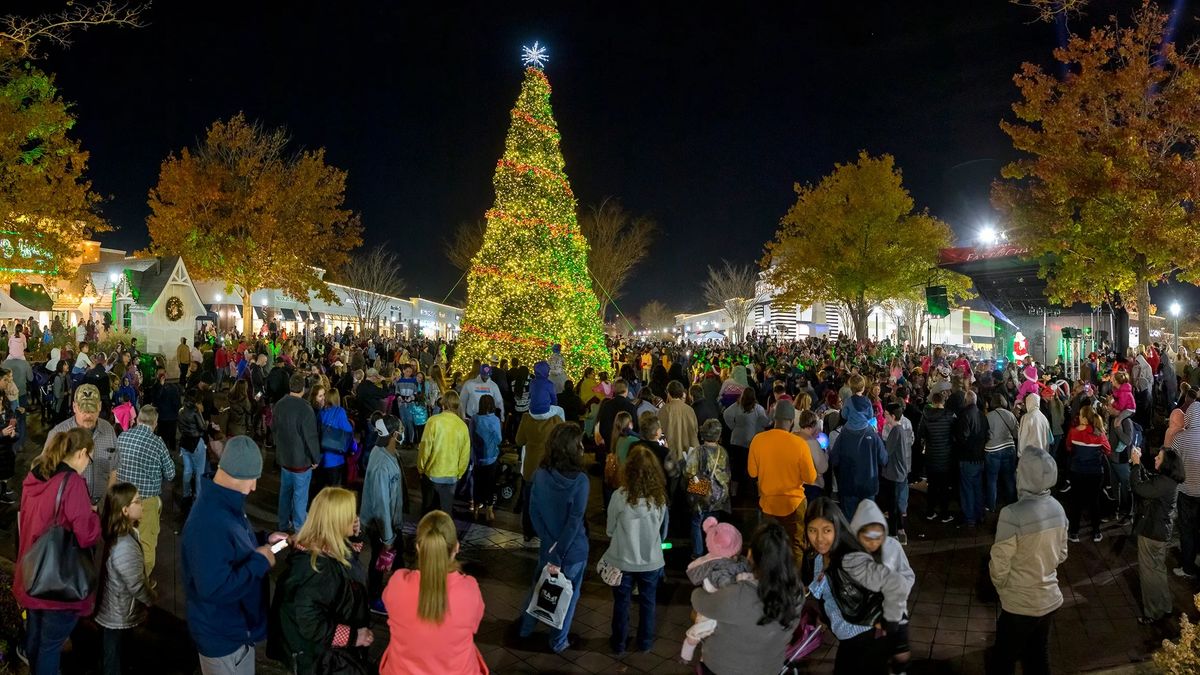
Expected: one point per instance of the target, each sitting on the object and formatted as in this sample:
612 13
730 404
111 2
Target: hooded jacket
637 532
382 510
557 503
1031 540
891 554
1035 428
475 389
934 429
858 457
541 389
224 578
1155 494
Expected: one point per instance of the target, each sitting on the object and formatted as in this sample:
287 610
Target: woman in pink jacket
50 622
433 611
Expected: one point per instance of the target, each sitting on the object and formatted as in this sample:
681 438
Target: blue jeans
46 631
195 465
902 496
410 431
1124 495
849 504
293 499
971 491
647 586
698 533
558 639
1002 469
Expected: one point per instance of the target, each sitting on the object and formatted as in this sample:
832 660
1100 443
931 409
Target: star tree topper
534 56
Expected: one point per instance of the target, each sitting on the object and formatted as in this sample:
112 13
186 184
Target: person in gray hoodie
382 511
637 524
1031 542
870 526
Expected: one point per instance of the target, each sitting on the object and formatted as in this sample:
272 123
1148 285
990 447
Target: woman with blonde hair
435 610
319 613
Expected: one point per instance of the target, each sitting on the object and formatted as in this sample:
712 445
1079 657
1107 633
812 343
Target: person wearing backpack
706 462
1123 435
54 494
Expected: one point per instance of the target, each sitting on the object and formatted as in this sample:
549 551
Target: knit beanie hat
722 539
242 458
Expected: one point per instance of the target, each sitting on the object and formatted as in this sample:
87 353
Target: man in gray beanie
225 565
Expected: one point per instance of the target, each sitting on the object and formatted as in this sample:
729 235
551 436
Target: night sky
700 118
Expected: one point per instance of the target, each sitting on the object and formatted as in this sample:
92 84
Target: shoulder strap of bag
62 486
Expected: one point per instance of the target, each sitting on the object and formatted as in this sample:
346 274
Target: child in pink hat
723 565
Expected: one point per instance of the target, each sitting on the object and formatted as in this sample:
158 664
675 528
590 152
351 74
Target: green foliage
47 207
529 285
855 238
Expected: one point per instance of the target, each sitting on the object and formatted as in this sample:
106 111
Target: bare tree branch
1050 10
464 243
373 279
24 35
734 289
656 316
618 242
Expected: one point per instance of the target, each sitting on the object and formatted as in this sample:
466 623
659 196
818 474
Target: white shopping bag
551 598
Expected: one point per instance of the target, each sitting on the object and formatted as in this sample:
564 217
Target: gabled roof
151 281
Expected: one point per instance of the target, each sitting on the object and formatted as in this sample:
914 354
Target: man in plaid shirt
145 462
101 472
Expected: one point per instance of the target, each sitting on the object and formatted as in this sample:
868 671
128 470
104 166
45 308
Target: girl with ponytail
433 611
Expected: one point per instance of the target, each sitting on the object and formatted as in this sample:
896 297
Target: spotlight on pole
1175 309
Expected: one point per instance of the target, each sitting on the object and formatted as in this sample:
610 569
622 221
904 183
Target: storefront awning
261 313
302 315
214 313
317 317
288 314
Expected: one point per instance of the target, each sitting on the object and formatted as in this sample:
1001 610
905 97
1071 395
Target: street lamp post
1175 314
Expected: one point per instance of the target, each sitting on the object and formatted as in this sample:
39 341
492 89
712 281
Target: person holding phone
226 564
1155 495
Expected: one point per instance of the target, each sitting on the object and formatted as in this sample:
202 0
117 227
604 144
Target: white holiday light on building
535 56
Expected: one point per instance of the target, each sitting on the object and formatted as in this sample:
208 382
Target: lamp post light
1175 308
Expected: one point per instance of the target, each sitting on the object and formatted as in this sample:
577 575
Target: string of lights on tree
529 288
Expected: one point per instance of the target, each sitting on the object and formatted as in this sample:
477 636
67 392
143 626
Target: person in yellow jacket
443 455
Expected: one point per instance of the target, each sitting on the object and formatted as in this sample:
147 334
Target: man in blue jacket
225 565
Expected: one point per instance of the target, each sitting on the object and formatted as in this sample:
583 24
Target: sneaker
1096 538
948 518
932 516
902 536
1180 572
8 498
378 608
1073 538
1066 488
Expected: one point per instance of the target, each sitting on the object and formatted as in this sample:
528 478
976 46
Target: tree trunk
1143 308
247 315
858 313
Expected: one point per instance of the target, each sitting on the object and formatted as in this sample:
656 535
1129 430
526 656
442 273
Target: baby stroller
43 380
807 638
508 478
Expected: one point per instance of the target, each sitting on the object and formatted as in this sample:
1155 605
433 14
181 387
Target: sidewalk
951 623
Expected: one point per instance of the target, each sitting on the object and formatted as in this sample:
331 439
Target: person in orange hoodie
435 610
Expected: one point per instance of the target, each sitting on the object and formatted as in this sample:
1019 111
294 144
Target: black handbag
859 606
56 567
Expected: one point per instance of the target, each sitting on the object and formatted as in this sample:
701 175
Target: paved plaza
953 617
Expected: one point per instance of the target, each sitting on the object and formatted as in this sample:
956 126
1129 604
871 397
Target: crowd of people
819 440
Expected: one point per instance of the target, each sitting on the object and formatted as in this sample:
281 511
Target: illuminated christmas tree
528 287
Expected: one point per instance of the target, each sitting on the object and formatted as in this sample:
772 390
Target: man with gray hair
142 459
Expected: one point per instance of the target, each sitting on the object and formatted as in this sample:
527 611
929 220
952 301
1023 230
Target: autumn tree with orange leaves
241 209
1105 196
